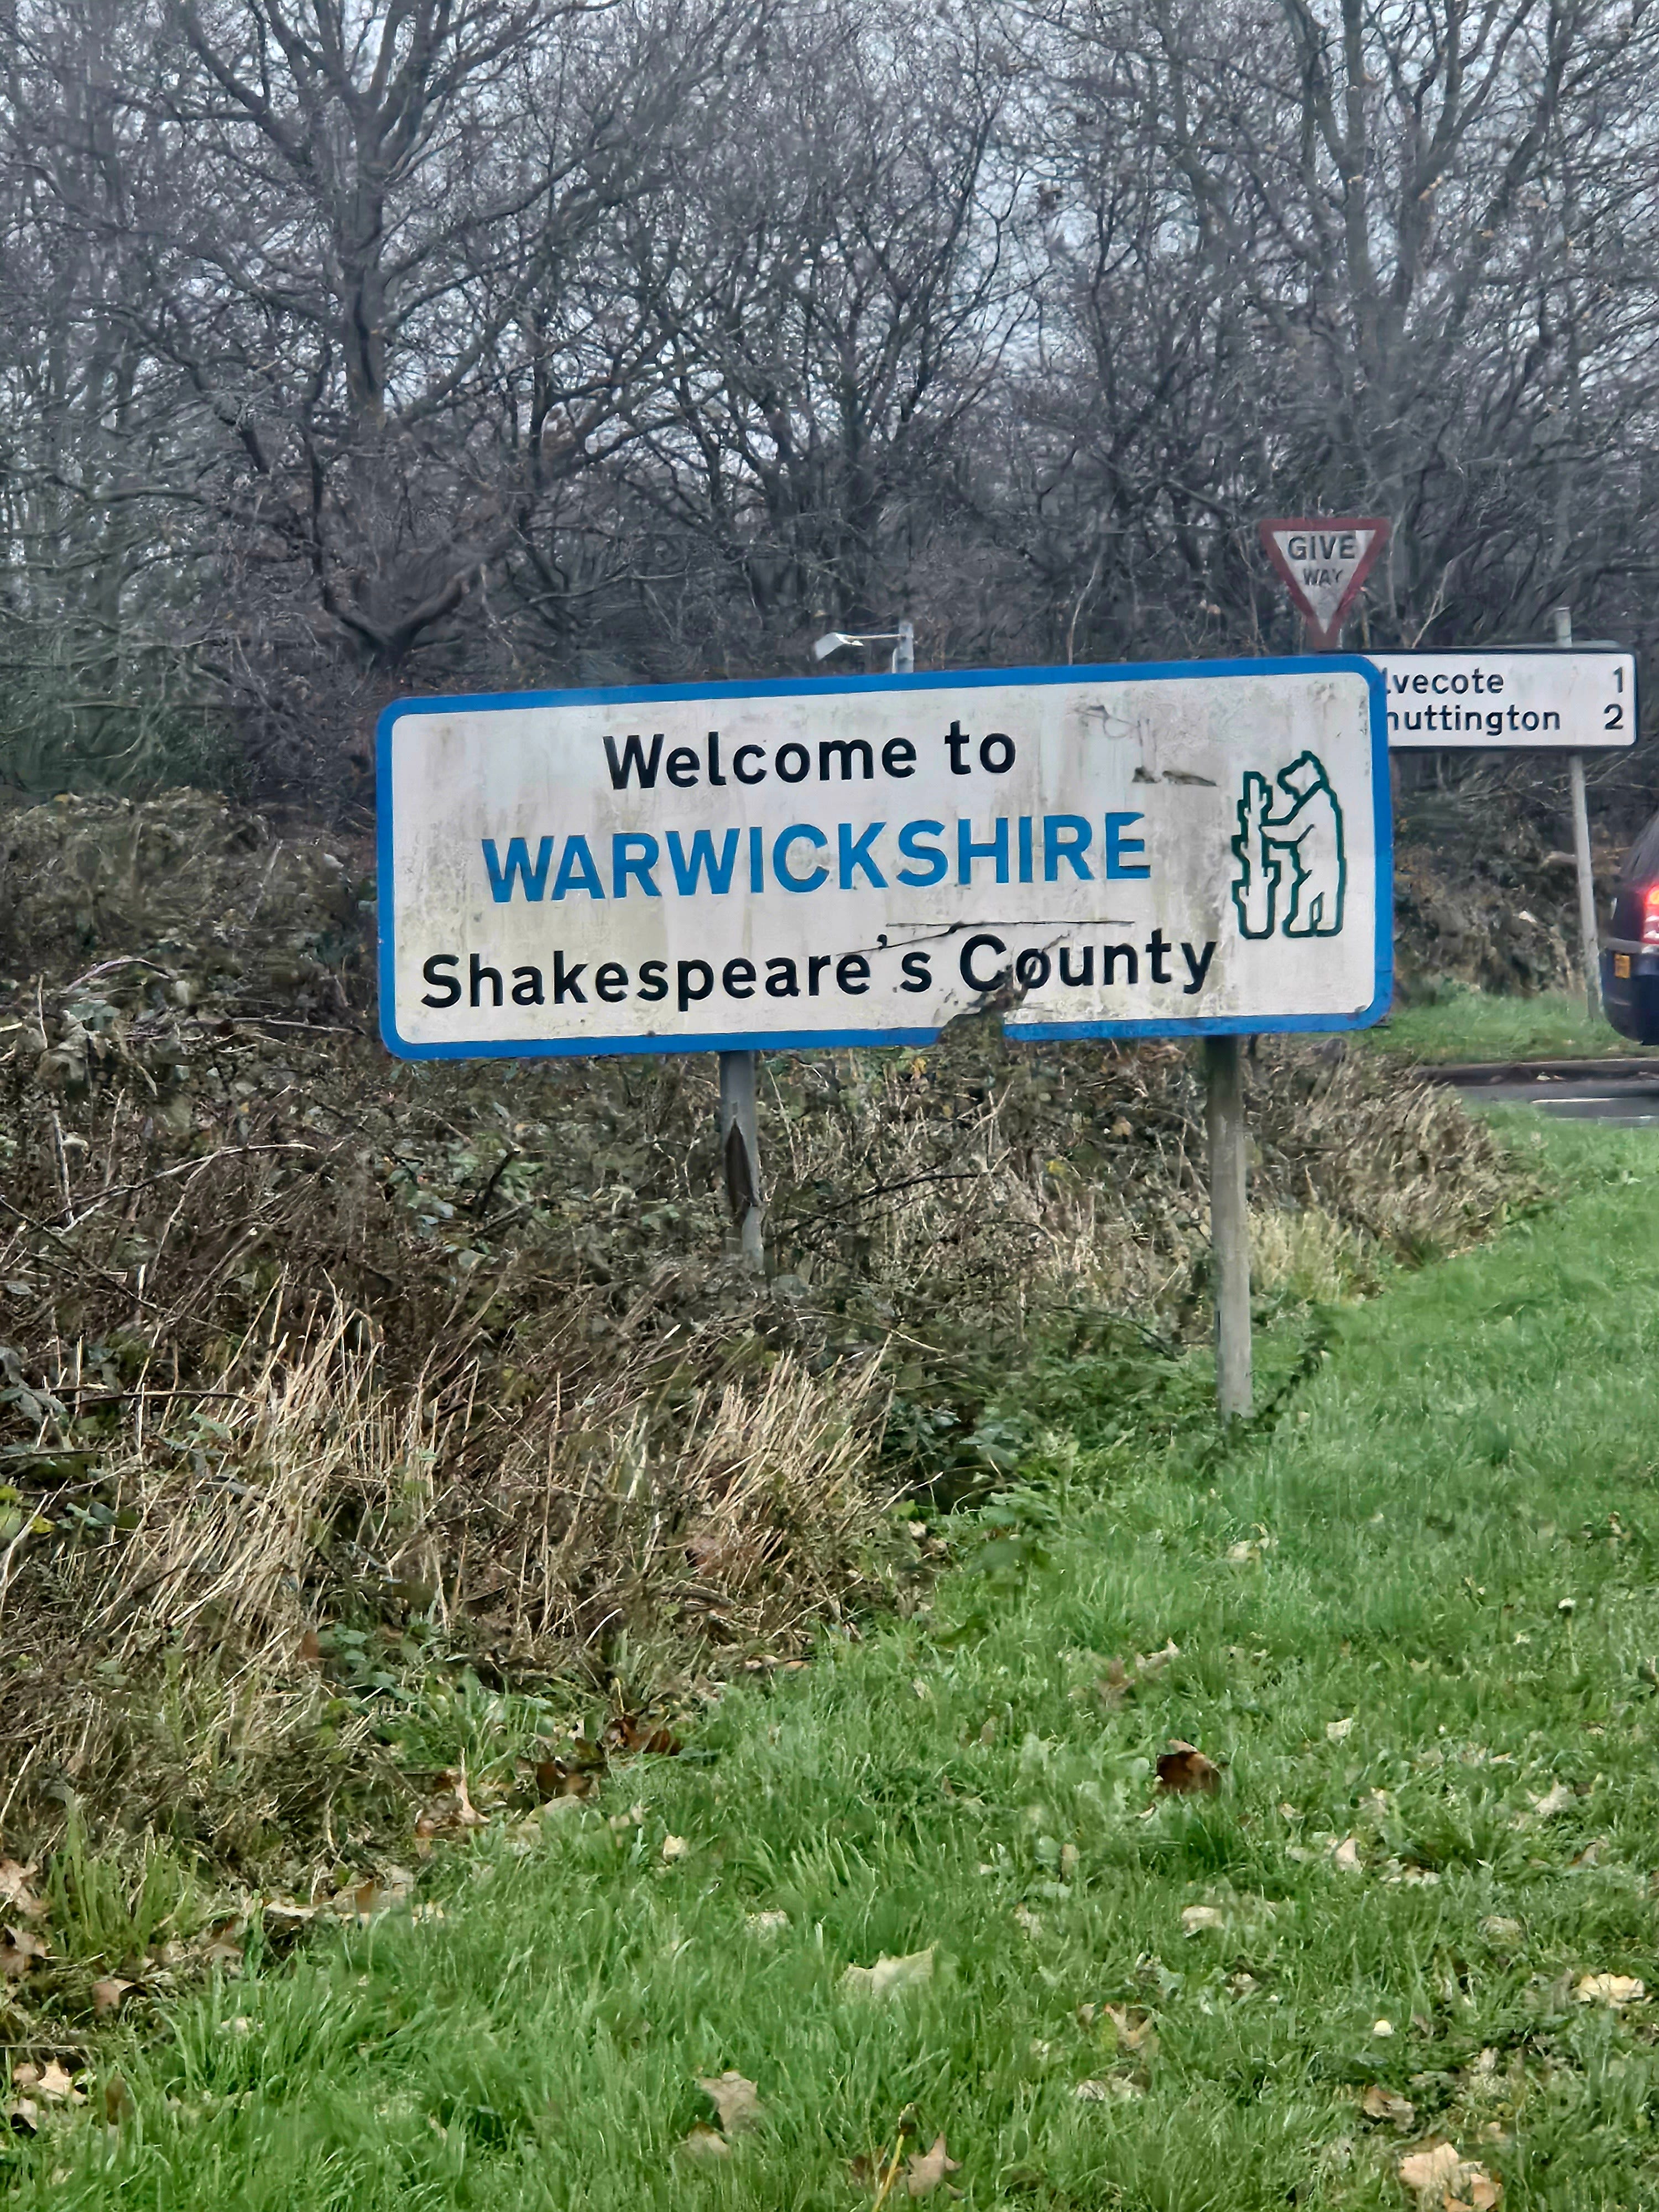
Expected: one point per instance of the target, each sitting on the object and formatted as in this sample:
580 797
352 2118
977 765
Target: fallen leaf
452 1809
1614 1989
1135 2029
675 1847
19 1950
366 1900
1153 1662
118 2101
1243 1555
633 1732
1347 1855
309 1650
706 2143
16 1892
1184 1768
1198 1917
889 1976
23 2115
736 2098
106 1996
1380 2104
1554 1801
1336 1731
287 1914
1497 1929
556 1778
925 2172
54 2082
224 1948
1433 2171
1092 2092
767 1924
1115 1685
1438 2170
1030 1921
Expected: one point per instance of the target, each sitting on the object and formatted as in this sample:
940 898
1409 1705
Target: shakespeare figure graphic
1293 870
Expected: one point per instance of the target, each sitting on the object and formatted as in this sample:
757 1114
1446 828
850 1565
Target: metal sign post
1228 1134
1323 561
1588 935
1187 850
740 1156
740 1071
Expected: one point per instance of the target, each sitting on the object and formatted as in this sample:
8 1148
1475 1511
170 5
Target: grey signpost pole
740 1155
1589 935
1230 1223
739 1141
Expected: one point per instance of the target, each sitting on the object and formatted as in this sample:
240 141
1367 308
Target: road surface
1629 1101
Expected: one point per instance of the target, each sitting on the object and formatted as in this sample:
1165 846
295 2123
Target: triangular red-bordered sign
1324 559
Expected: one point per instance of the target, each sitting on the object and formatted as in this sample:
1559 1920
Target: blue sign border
795 687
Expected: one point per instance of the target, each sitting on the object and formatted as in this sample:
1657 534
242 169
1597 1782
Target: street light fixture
902 640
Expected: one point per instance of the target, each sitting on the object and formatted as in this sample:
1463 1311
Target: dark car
1630 957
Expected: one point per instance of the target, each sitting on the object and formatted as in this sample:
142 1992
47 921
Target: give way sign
1324 560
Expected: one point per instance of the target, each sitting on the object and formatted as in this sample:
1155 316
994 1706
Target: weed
1403 1903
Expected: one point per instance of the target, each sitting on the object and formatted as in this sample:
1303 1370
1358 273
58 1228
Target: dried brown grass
297 1340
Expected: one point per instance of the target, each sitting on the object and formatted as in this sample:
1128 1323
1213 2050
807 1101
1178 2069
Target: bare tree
352 346
1412 236
833 291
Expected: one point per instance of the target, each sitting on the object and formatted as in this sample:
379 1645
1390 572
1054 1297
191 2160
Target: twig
887 1190
184 1167
139 1390
44 1228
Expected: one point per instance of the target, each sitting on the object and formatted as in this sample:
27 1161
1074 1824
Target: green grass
1451 1541
1469 1025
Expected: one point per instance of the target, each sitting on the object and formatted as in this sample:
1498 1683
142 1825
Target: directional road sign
1581 700
1324 560
1160 850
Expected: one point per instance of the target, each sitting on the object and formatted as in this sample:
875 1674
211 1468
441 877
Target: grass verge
1414 1624
1466 1024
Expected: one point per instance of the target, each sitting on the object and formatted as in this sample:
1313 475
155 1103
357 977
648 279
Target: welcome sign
1184 848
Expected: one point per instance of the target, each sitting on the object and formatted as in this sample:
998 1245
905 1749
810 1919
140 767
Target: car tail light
1651 913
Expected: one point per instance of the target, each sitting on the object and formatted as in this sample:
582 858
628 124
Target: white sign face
1133 852
1580 701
